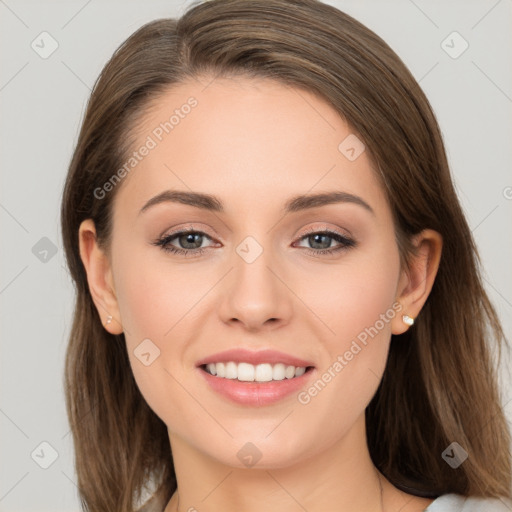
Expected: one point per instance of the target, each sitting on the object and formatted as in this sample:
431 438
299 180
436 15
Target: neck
343 474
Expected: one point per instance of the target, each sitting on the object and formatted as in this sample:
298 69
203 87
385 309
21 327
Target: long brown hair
440 383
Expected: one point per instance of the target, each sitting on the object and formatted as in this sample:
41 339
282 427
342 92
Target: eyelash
345 243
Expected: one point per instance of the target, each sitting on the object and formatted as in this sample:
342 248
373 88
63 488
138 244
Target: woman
278 303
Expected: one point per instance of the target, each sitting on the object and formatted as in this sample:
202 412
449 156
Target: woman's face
263 281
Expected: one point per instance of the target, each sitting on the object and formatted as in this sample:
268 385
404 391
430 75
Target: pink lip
241 355
256 393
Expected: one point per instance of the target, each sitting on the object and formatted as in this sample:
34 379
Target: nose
255 295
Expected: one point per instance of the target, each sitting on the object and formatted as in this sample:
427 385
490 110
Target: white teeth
263 373
231 370
220 369
289 372
246 372
300 371
278 371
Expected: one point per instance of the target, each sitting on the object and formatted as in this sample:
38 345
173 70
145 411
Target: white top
459 503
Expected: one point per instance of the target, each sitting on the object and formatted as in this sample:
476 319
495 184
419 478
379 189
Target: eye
190 240
321 242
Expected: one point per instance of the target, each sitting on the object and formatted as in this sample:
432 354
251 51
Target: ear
99 277
416 282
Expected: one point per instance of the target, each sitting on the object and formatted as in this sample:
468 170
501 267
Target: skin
255 144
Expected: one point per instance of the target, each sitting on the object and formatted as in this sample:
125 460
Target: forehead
245 140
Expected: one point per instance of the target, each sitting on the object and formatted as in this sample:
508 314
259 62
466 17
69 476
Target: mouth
255 378
246 372
261 390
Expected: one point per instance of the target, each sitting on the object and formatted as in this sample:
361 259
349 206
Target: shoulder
459 503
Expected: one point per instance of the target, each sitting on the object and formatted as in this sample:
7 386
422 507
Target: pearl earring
109 319
409 320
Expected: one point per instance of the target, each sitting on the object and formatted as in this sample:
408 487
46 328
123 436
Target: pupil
318 236
189 238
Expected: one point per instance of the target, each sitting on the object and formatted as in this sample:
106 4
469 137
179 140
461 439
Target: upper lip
241 355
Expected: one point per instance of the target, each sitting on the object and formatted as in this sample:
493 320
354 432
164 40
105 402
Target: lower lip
256 393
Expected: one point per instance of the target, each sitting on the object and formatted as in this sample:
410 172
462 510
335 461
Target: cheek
357 302
153 294
352 297
150 303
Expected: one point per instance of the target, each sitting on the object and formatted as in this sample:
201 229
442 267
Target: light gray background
42 103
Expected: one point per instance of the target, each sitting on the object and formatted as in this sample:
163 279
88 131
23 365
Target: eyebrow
295 204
